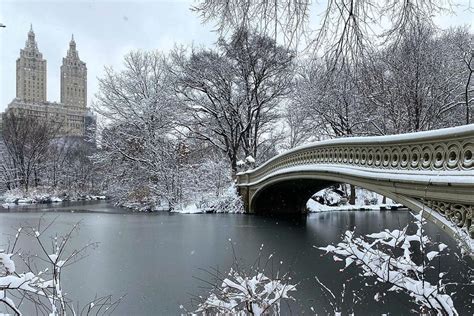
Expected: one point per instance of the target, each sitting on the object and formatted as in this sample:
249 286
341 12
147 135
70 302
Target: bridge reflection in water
431 171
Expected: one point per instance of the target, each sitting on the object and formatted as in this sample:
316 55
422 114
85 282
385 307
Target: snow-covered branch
390 257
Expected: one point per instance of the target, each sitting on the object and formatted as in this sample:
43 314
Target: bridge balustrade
444 156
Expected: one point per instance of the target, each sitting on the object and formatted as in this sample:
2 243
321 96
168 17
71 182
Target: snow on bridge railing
444 156
449 149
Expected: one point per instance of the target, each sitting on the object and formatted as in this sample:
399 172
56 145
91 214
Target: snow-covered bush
207 179
229 202
391 257
241 294
247 292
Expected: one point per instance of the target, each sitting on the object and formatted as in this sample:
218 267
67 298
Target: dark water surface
154 258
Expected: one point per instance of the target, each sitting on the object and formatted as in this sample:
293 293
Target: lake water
157 259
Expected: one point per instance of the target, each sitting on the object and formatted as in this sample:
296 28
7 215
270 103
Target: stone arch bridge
431 171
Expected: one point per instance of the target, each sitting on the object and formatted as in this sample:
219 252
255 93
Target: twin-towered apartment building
71 112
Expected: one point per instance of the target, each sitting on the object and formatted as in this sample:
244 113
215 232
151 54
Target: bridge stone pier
431 171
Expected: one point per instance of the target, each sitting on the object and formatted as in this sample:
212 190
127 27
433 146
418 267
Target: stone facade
72 120
31 81
72 114
73 78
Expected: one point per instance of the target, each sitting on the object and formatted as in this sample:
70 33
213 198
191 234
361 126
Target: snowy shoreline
319 208
228 203
315 207
188 209
333 199
16 198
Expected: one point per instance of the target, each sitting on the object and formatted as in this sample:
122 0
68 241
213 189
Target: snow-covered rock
249 159
191 209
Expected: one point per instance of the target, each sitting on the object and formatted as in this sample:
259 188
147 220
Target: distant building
2 144
73 78
31 78
71 113
3 149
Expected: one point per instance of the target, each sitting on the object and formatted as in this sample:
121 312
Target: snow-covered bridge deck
432 171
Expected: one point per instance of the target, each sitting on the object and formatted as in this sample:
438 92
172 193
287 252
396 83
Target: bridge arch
431 171
289 194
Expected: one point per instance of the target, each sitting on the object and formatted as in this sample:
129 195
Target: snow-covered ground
228 202
332 201
190 209
44 195
315 207
328 200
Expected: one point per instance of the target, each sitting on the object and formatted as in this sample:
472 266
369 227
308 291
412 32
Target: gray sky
104 31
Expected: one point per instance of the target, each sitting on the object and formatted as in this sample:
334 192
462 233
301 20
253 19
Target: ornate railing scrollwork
427 152
422 157
459 214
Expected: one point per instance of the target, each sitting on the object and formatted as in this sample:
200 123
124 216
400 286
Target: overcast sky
104 31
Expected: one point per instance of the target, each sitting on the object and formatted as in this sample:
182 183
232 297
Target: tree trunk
466 95
233 166
352 197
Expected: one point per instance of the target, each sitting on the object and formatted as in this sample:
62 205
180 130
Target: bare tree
352 29
463 50
347 29
230 96
26 140
36 155
131 94
418 83
57 160
299 126
77 170
8 171
331 100
287 19
141 149
331 103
